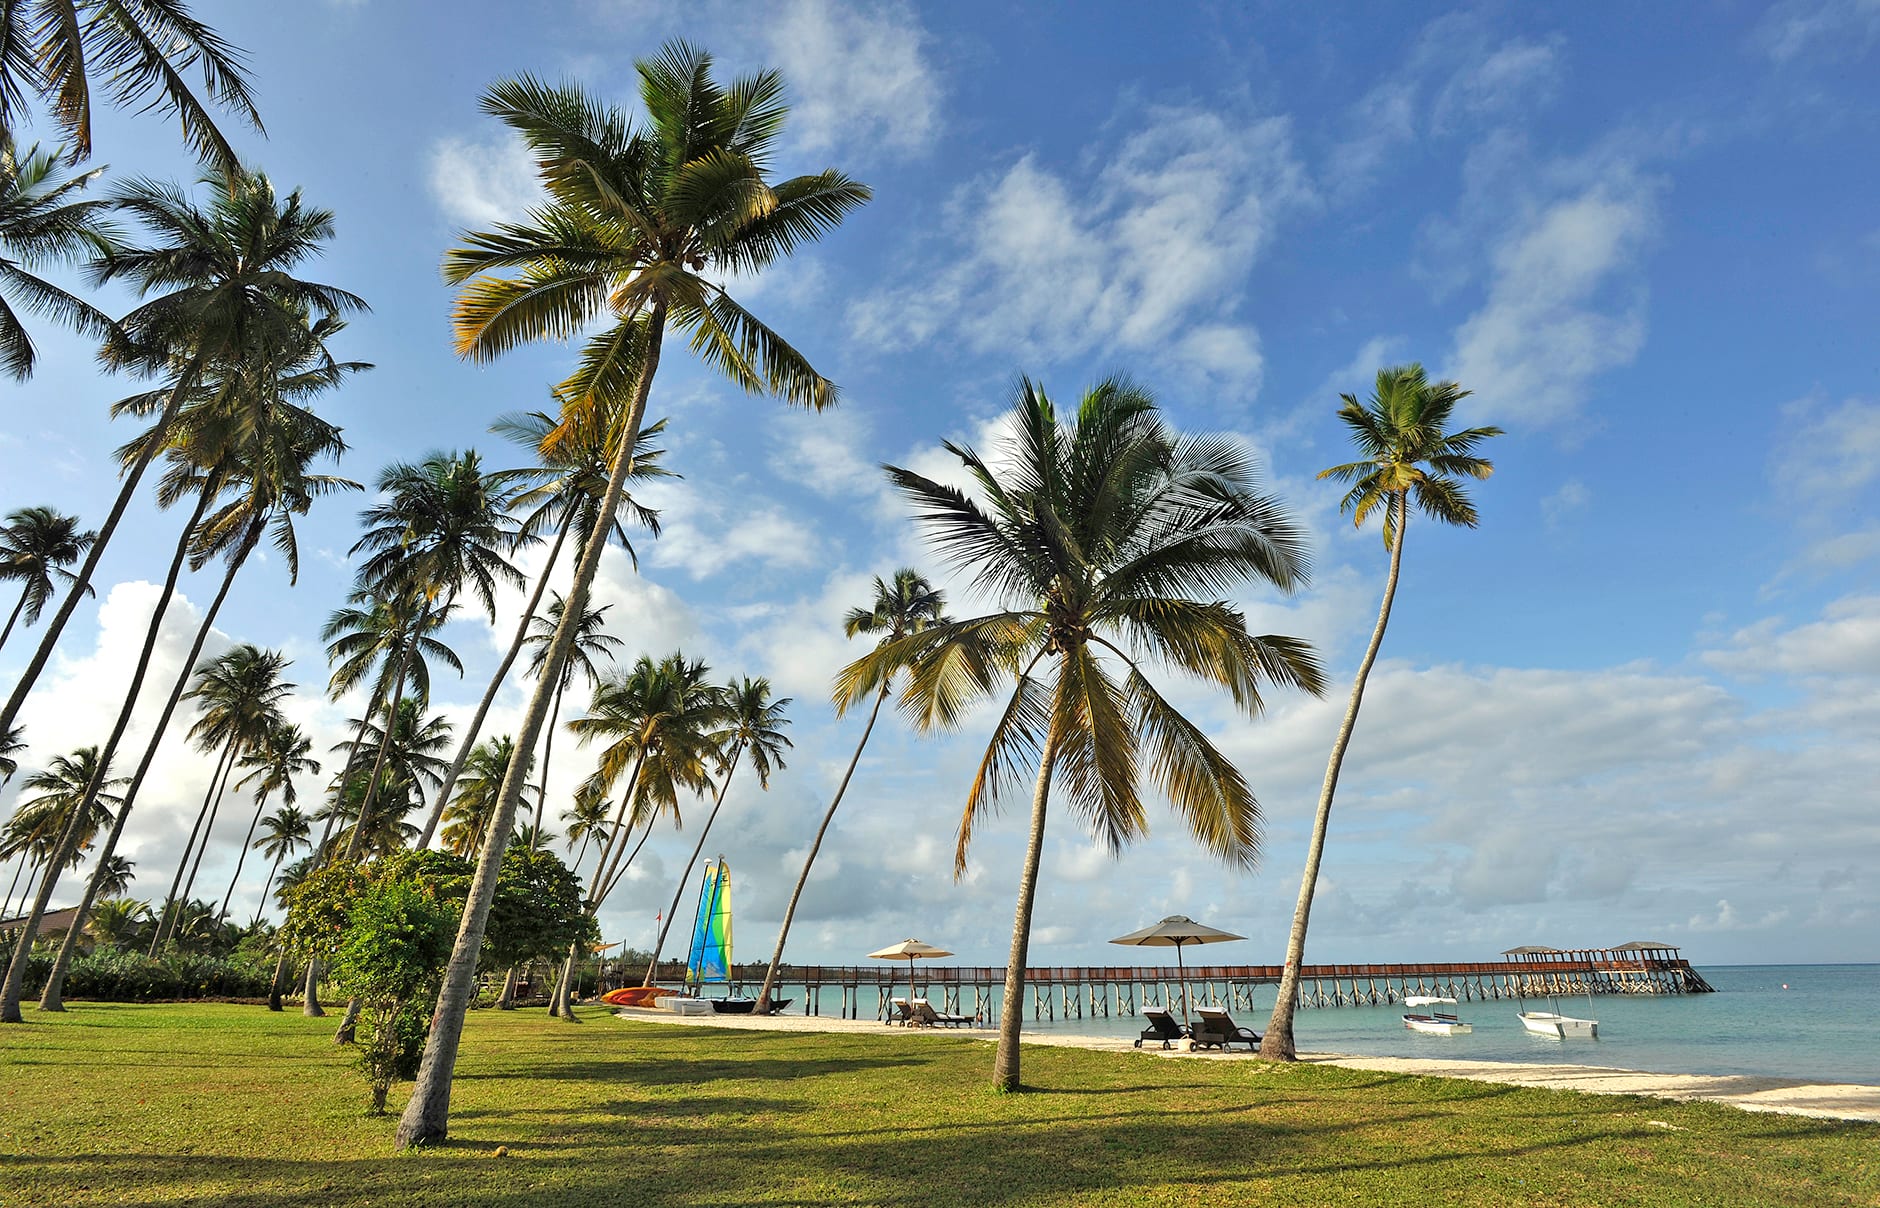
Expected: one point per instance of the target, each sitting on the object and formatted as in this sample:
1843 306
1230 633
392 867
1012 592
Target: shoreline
1791 1096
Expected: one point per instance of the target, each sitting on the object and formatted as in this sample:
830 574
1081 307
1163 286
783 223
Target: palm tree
585 819
114 876
469 812
907 605
412 766
589 643
443 527
225 272
11 744
41 221
751 722
564 493
1407 455
241 695
258 441
118 921
280 755
283 833
657 719
141 54
60 804
636 220
230 291
36 544
1108 542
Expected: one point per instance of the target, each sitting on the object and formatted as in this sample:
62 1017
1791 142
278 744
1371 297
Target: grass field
228 1105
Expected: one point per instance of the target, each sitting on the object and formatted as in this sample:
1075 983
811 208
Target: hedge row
111 976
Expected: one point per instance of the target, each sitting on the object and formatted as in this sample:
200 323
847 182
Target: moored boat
1436 1023
1560 1027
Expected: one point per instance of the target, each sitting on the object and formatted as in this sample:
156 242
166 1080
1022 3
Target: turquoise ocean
1812 1022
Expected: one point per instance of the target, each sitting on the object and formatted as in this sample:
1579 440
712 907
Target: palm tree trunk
391 727
796 895
613 879
77 588
1012 1005
204 814
26 862
427 1116
15 615
261 804
50 999
349 1022
659 944
6 904
506 1001
496 682
1277 1044
208 829
269 883
548 753
68 841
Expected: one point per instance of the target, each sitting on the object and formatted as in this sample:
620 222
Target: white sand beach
1834 1101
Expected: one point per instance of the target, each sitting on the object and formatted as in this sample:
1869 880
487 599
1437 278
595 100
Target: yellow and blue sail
710 957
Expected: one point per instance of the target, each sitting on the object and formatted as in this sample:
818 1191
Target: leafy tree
41 220
538 911
1108 543
36 545
641 229
908 605
141 53
1408 456
396 939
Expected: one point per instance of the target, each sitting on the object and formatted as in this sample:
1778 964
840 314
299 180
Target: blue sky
1638 702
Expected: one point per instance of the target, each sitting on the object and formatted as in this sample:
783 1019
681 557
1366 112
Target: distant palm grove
1082 569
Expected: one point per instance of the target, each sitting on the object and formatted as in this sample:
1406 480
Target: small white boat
1560 1027
1436 1023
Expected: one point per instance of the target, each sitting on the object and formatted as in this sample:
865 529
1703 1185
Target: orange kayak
635 996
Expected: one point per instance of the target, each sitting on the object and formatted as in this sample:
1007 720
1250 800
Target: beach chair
1217 1031
899 1012
1162 1027
927 1017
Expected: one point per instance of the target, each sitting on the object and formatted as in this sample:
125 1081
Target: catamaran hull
1436 1025
1560 1027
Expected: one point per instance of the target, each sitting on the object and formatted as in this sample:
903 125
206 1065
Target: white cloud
1828 454
1797 29
704 532
1844 642
1147 253
858 76
1568 501
478 183
1565 302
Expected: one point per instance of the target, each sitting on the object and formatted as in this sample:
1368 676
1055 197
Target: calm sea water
1812 1022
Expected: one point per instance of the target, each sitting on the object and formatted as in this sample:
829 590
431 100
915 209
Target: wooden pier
1079 992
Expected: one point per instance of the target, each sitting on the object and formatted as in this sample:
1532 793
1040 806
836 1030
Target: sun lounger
927 1017
1162 1027
899 1012
1217 1031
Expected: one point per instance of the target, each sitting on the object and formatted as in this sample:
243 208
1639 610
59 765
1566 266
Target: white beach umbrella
909 951
1173 932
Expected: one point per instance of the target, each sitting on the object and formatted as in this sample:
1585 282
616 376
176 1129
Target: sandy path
1836 1101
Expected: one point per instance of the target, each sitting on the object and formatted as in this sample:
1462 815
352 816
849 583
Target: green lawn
222 1105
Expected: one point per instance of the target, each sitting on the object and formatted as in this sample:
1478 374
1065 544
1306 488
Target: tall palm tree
258 441
586 820
114 876
280 755
469 812
657 721
641 228
443 528
140 54
283 833
906 605
36 544
1109 543
58 803
11 744
218 283
750 722
1407 455
589 644
42 220
563 492
413 768
240 697
229 289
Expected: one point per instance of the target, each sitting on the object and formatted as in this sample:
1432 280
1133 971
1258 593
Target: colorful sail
710 957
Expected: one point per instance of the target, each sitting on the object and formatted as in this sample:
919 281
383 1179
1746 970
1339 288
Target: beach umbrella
909 951
1175 931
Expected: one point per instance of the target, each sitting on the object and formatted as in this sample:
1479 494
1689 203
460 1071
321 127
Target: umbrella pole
1182 971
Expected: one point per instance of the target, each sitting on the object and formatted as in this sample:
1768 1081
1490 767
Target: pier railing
1081 991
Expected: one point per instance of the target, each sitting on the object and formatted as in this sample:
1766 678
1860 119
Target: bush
108 975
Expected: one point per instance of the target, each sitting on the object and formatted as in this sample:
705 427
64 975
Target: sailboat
708 960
